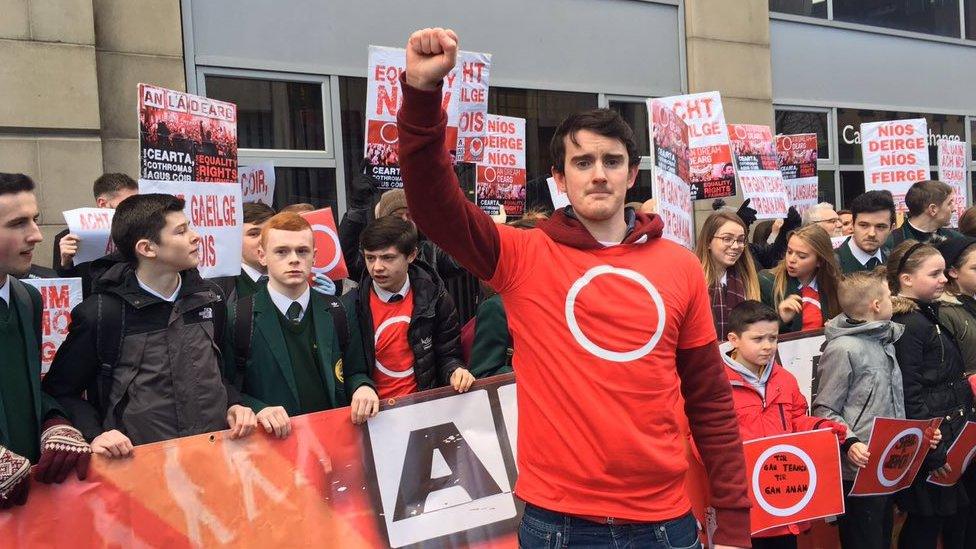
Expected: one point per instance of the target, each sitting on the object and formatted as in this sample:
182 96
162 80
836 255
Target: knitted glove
323 285
747 214
14 478
793 220
63 449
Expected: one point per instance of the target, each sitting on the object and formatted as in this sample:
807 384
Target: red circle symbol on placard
389 133
784 498
897 457
328 241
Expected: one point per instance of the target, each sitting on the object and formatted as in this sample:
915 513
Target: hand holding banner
793 478
59 297
328 251
897 449
960 455
94 229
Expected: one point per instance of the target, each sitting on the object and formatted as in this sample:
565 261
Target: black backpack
244 330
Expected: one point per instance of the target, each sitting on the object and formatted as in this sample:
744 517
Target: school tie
873 262
263 279
294 312
395 298
4 309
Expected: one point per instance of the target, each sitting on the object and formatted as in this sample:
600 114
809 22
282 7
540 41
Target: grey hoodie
859 378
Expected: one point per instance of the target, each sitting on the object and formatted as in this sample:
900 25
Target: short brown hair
257 213
391 202
923 193
111 183
967 222
284 221
301 207
383 232
603 122
856 291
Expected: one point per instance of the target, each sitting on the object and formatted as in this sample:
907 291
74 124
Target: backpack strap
109 333
243 331
339 321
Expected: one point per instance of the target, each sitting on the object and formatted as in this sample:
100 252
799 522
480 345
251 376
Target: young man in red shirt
409 325
608 322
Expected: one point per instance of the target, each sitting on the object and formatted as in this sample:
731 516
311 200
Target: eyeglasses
832 220
729 240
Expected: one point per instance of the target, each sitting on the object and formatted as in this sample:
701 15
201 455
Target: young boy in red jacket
767 398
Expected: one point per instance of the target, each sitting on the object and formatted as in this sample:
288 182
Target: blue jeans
542 529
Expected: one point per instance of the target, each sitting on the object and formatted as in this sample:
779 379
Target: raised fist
431 55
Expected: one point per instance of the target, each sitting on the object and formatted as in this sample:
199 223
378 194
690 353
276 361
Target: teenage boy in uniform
588 465
290 345
930 204
874 217
408 322
33 428
144 345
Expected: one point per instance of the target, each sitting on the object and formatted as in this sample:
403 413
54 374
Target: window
316 186
273 114
803 121
641 191
929 16
810 8
352 107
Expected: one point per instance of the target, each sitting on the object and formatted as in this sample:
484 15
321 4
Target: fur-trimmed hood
949 300
901 305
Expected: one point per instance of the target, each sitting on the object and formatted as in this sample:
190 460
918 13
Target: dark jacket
167 381
846 260
82 271
269 377
958 314
767 283
932 374
434 332
491 352
29 313
907 232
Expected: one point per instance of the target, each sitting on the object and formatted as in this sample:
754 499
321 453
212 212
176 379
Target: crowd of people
156 352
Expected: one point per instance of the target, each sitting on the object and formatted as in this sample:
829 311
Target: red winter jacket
783 411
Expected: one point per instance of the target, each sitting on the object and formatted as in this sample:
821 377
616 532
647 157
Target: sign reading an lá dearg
896 155
185 137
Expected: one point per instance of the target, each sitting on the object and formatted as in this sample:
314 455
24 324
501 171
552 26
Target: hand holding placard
897 449
431 55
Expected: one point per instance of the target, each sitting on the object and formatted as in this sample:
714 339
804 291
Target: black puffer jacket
935 387
434 332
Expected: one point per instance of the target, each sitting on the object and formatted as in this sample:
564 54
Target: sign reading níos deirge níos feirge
185 137
500 180
896 155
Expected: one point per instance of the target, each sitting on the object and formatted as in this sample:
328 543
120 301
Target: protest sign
328 250
383 100
793 478
952 170
798 164
897 449
257 183
960 456
767 191
559 198
896 155
59 297
712 173
215 212
799 354
752 147
669 134
94 229
500 179
185 137
473 105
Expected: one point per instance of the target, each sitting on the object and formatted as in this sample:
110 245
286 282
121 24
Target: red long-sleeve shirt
604 338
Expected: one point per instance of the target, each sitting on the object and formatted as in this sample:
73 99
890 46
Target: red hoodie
604 339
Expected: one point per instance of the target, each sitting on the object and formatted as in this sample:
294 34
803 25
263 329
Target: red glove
839 429
14 479
63 448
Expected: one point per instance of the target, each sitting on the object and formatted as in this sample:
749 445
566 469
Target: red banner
328 251
897 449
960 455
793 478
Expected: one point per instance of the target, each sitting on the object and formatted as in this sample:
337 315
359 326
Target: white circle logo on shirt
317 228
882 477
586 342
379 330
811 486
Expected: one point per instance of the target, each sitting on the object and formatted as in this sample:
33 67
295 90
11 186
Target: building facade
297 68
